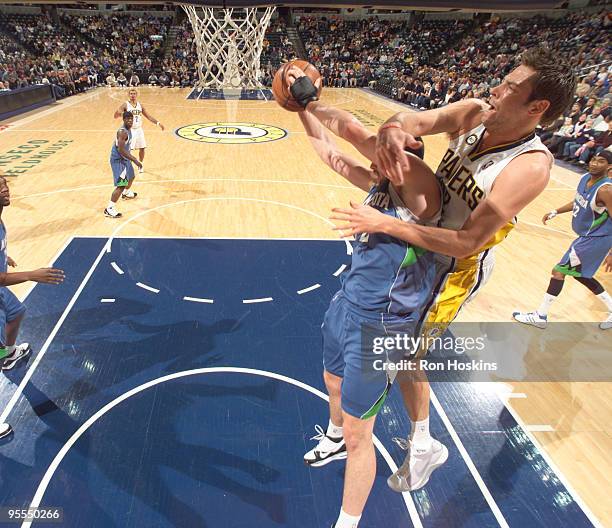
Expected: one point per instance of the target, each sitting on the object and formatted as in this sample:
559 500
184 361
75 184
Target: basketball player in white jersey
495 165
138 141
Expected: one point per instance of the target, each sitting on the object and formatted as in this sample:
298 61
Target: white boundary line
349 248
340 270
540 428
147 287
309 289
114 265
469 463
192 180
199 300
43 350
564 480
44 483
253 301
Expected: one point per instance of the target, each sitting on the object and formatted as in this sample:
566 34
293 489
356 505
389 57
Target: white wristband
553 213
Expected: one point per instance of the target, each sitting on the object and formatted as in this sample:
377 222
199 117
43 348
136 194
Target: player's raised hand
47 276
390 156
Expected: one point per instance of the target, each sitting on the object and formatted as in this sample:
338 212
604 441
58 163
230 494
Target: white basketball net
229 44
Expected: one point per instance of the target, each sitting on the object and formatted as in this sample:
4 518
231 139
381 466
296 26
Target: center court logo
231 133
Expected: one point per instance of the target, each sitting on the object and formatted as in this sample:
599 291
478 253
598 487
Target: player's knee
357 433
557 275
332 382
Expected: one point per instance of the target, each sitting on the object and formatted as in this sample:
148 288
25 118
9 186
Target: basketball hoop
229 42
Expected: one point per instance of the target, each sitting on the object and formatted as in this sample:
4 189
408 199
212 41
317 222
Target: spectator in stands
153 81
122 80
111 80
134 80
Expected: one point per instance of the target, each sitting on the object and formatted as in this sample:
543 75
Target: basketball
280 87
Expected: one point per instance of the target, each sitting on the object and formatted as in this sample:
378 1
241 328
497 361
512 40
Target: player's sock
419 436
111 206
333 431
545 306
347 521
554 289
606 299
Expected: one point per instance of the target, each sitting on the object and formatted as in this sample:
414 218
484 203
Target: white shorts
138 139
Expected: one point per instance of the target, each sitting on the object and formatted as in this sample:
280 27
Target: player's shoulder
465 115
534 165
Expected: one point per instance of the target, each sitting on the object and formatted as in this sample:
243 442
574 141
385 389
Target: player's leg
15 312
141 156
539 317
581 261
330 443
597 289
127 193
120 178
5 428
360 469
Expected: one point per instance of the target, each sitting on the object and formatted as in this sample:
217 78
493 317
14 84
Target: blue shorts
10 309
349 334
123 172
584 256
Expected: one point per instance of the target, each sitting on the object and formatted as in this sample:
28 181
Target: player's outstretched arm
327 150
152 119
400 130
340 122
566 208
518 184
43 275
119 112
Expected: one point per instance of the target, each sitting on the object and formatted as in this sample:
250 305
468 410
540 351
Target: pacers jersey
467 174
388 275
136 111
590 219
115 154
3 253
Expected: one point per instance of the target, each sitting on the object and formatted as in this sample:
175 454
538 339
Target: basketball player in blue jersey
591 221
494 167
121 164
12 311
138 141
381 295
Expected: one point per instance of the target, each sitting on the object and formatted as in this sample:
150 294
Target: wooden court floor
280 189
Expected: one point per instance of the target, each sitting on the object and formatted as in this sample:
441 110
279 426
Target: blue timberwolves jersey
3 254
387 274
115 155
589 219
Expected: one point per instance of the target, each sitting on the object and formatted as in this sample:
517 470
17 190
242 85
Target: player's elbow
466 245
3 279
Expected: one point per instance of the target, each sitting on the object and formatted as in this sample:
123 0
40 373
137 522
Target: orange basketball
280 87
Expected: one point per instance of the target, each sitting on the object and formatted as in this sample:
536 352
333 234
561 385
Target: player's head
133 95
128 119
5 194
599 165
539 90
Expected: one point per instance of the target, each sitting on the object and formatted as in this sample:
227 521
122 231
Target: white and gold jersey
467 175
136 111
